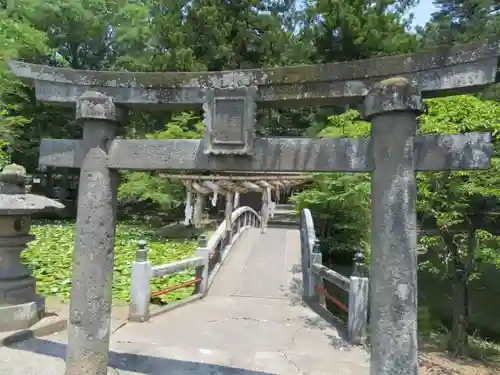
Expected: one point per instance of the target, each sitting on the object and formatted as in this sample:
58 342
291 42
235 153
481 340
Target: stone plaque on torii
392 155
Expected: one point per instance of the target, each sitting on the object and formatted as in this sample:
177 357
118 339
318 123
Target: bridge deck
251 322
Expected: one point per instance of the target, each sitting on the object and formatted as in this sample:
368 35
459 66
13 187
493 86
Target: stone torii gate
231 185
393 154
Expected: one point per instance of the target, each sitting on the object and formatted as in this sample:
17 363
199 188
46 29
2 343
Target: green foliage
4 154
461 21
347 124
79 30
50 258
243 34
17 40
183 126
340 202
151 36
149 187
353 30
452 198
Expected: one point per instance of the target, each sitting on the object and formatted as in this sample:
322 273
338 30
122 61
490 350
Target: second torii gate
230 186
393 154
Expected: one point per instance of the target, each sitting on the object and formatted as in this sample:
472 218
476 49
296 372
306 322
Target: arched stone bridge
251 319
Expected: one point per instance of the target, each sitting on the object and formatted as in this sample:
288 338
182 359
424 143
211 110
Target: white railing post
228 216
314 279
140 285
264 212
304 255
237 224
358 309
358 299
202 272
314 273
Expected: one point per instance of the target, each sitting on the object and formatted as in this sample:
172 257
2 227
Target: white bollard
140 293
358 309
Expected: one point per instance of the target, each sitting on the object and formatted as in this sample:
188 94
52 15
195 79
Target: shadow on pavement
137 363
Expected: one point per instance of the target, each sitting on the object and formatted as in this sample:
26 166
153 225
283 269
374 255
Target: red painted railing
175 287
335 301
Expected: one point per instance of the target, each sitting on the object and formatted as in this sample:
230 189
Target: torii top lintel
449 70
229 101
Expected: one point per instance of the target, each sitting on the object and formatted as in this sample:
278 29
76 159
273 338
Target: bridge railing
207 261
223 238
315 273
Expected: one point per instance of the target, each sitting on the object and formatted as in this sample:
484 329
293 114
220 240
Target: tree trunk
459 339
458 343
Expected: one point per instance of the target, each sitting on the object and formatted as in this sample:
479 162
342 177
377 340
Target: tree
354 30
461 21
80 31
458 202
17 40
154 36
340 202
238 34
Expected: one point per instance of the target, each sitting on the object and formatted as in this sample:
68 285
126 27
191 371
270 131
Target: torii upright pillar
393 106
90 307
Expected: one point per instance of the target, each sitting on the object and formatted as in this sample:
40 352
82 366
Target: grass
484 351
50 257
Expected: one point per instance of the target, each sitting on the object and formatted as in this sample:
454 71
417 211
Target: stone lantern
20 306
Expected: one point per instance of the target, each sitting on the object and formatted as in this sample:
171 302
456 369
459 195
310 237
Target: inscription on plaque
229 120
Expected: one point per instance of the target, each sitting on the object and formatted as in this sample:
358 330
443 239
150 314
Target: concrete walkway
252 322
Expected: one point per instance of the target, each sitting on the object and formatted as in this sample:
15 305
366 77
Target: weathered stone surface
90 307
393 94
48 325
229 117
12 179
339 71
20 316
13 197
20 307
455 69
96 106
394 107
453 79
432 152
26 204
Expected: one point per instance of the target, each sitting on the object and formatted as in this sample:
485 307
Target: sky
423 12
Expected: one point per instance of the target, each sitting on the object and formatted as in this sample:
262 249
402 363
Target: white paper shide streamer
214 199
236 200
188 208
272 205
